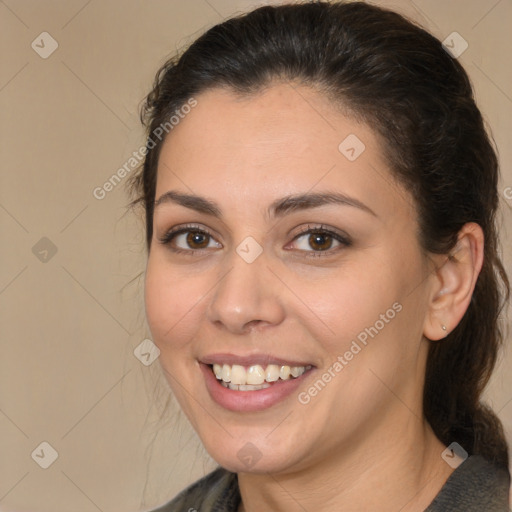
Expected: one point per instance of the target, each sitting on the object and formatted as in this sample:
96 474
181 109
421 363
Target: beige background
70 324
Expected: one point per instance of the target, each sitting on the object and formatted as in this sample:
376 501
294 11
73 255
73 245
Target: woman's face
251 290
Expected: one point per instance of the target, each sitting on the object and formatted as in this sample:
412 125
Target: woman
323 280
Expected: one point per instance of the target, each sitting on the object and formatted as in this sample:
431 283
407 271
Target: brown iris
193 237
316 239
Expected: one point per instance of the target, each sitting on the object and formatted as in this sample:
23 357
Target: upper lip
248 360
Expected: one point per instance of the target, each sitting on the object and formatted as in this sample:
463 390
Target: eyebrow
278 208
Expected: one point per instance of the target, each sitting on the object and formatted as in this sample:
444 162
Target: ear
453 282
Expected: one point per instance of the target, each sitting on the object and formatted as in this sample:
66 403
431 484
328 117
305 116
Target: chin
256 456
253 461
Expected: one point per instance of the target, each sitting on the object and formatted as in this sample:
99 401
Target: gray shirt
475 486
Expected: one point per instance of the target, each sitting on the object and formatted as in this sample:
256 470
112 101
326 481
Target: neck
387 474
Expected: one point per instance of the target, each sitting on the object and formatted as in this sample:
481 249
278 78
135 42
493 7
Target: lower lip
244 401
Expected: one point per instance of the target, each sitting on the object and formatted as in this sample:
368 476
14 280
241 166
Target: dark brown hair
399 79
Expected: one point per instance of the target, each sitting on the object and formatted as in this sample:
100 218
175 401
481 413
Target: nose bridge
247 292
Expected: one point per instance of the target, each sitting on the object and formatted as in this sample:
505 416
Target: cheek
172 301
348 303
368 314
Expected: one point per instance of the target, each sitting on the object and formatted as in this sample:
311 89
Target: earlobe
453 282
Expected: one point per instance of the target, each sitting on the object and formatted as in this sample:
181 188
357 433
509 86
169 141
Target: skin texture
362 443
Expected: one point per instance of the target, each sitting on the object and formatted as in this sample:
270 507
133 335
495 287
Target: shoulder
476 485
215 492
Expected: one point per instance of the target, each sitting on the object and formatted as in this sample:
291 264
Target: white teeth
272 373
284 372
226 373
297 371
245 387
238 374
255 377
217 369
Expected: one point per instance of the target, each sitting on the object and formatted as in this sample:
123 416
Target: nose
247 297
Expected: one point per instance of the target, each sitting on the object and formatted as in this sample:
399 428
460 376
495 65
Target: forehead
286 138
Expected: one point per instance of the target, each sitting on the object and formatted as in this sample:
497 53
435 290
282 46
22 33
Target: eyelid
322 228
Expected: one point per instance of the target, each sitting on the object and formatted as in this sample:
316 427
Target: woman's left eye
320 240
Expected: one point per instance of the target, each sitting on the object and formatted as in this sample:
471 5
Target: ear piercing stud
443 327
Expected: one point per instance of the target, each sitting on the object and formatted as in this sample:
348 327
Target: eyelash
168 237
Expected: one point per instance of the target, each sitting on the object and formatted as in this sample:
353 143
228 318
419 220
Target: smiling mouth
255 377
